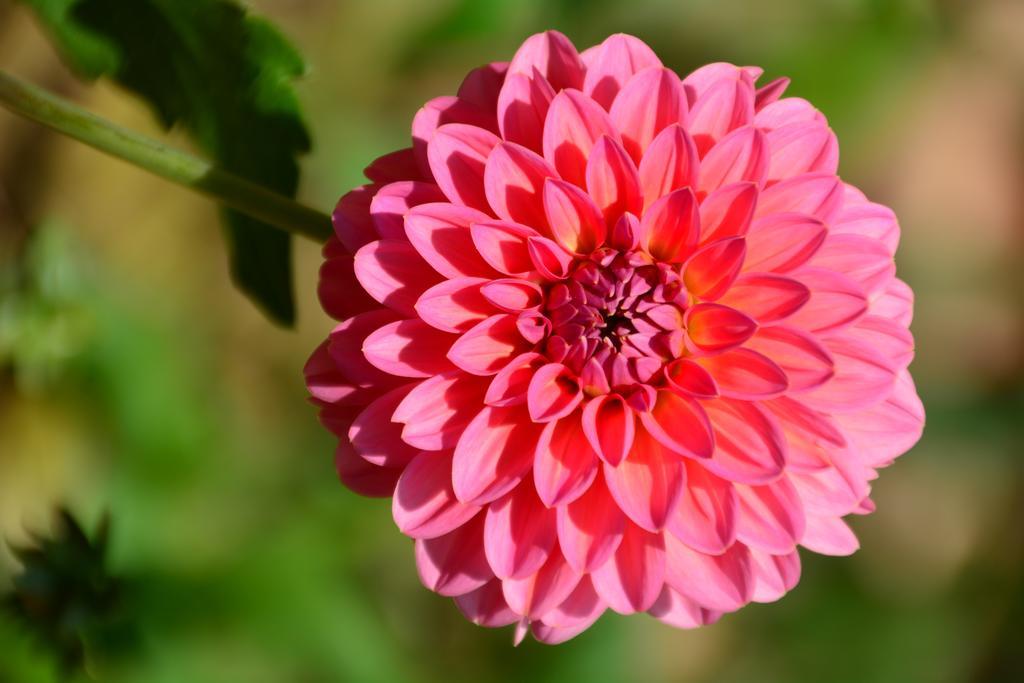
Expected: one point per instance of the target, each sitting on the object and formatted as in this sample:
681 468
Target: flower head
614 339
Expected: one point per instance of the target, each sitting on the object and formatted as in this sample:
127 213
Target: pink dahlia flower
614 339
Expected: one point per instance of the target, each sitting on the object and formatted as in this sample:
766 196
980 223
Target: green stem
184 169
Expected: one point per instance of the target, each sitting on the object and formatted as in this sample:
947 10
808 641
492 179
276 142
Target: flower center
618 316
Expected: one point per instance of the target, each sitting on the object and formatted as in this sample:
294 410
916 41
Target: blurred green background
135 380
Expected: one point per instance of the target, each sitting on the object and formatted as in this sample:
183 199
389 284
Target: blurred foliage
224 75
160 398
42 324
65 597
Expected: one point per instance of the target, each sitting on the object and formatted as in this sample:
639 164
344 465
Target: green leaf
223 74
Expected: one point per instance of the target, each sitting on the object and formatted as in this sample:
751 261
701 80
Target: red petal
680 424
513 181
609 426
671 226
576 222
612 180
711 270
651 101
424 505
648 483
670 163
457 153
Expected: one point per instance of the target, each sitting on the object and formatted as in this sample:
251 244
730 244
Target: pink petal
454 305
812 194
576 222
512 295
554 392
888 429
718 582
809 434
376 438
493 454
393 201
766 297
612 180
486 606
690 379
749 446
700 79
774 575
392 272
481 86
806 363
537 594
771 517
583 606
513 181
787 111
863 377
869 220
669 163
457 153
550 260
896 302
648 483
504 246
864 260
770 92
835 490
590 528
437 410
836 301
394 167
740 156
488 346
780 242
509 386
746 374
441 235
351 218
705 517
565 464
712 269
614 63
714 327
609 427
573 125
454 564
346 348
362 477
676 610
551 635
519 533
522 106
803 147
409 348
441 111
829 536
631 579
625 234
671 226
680 424
726 105
424 505
727 212
651 101
323 379
553 56
338 289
